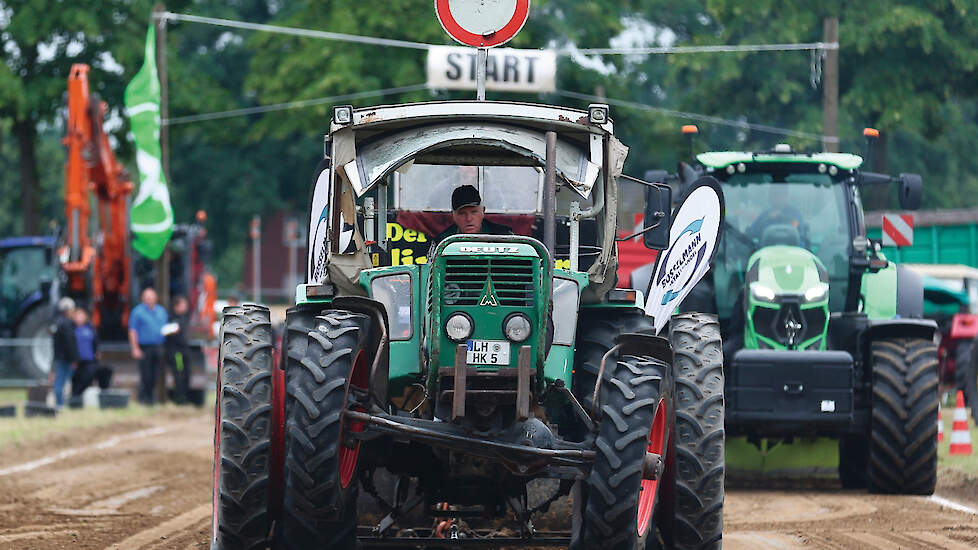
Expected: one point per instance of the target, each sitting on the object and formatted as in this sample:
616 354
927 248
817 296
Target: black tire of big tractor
320 483
699 433
242 431
608 514
34 360
903 434
853 462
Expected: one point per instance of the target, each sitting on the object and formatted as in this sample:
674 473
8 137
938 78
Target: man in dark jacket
178 349
469 216
65 349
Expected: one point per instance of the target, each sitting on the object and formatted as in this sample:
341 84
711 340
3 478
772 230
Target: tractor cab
29 286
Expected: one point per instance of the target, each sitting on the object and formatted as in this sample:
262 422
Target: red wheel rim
349 455
646 497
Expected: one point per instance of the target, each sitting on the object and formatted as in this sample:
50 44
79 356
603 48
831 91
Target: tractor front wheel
903 433
326 354
242 431
618 503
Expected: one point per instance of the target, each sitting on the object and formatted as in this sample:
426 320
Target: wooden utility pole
830 86
158 11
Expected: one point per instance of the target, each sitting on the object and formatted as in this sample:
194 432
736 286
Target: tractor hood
786 270
787 301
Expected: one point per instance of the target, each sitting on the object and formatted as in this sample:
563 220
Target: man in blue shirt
146 339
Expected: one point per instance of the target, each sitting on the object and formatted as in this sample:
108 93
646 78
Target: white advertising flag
508 69
696 230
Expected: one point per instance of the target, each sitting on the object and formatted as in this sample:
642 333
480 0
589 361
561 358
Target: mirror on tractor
658 216
910 191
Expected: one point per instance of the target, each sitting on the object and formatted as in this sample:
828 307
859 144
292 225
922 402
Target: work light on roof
597 113
343 114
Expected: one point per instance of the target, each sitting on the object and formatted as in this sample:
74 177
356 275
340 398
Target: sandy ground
146 485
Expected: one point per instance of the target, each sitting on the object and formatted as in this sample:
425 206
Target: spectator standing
65 349
86 341
178 349
146 339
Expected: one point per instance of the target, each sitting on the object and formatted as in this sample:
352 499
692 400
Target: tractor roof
543 117
722 159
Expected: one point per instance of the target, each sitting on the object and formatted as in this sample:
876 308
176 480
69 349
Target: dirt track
146 485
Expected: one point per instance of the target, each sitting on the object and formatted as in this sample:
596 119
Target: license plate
487 352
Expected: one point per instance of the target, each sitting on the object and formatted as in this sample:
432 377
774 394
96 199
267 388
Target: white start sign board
507 69
693 238
482 23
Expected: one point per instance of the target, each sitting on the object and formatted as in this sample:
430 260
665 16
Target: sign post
482 24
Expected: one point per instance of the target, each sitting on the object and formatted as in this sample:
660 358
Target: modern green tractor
438 389
823 337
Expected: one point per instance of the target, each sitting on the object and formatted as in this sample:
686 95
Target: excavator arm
97 270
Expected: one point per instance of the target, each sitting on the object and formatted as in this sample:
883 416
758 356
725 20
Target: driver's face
469 218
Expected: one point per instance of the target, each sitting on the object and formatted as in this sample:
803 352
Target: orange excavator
98 271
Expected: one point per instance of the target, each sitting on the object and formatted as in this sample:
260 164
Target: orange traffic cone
960 435
940 424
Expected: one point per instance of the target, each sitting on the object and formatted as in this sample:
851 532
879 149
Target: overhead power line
563 93
290 105
359 39
699 117
720 48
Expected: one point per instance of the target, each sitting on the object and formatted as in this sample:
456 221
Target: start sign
507 69
482 23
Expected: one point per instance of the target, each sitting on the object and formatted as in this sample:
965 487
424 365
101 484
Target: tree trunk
26 134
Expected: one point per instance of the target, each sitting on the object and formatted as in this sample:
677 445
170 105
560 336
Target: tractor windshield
765 209
20 270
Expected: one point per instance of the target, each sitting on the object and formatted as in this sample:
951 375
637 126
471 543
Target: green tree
40 40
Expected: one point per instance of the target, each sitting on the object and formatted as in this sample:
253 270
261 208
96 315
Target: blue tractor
29 286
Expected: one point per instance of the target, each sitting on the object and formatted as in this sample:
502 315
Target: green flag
151 215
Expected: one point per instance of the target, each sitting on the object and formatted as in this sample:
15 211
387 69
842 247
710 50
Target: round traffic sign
482 23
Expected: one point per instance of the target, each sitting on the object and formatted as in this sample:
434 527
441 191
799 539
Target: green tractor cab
823 336
441 386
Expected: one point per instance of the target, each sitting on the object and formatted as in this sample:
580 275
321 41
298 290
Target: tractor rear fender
379 343
964 326
900 328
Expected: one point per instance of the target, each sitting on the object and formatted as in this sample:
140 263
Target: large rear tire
903 434
34 360
320 484
242 431
699 432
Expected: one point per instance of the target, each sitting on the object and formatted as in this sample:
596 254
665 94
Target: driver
469 216
779 212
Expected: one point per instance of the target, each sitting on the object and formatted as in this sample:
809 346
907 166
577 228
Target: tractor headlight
816 293
516 327
459 327
762 292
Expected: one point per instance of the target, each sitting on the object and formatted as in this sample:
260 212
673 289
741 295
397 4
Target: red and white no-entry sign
482 23
897 229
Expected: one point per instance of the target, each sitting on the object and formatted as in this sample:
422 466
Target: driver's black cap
465 195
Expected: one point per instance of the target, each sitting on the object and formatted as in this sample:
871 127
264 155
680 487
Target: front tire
619 503
320 485
242 431
903 435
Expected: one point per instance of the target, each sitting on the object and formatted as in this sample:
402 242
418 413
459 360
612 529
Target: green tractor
823 337
438 389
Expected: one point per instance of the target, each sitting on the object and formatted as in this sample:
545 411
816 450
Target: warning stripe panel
897 230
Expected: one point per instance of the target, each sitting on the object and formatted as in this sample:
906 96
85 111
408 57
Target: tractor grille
771 322
512 279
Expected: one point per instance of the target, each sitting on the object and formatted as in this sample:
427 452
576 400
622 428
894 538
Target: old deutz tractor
439 389
823 337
